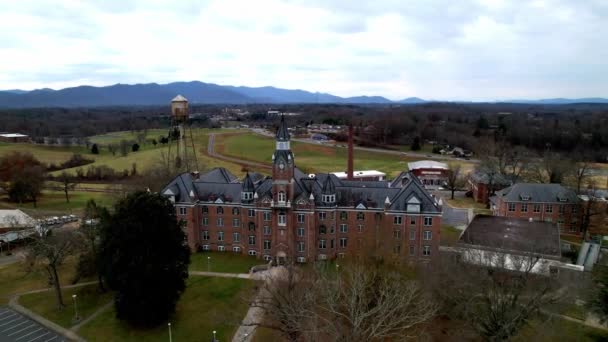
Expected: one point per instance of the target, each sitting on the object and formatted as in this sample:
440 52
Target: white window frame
343 228
236 222
426 250
301 232
236 237
206 248
427 235
397 220
301 247
428 221
250 212
220 221
343 242
252 252
220 236
282 219
301 218
267 245
183 211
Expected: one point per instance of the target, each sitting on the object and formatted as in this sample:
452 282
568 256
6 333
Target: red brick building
431 173
479 184
300 217
540 202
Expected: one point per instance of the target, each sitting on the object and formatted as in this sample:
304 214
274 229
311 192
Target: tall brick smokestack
350 171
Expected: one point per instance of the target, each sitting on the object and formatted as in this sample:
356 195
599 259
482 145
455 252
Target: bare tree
594 213
112 148
496 293
454 180
48 251
288 304
367 302
68 183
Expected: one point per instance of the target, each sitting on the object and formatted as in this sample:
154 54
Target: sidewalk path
223 275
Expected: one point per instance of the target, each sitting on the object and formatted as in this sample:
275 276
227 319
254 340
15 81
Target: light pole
208 264
170 337
76 317
214 339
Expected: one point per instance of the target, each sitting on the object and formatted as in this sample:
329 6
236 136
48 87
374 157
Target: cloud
441 49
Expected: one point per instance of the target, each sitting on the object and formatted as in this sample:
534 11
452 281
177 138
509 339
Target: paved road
454 216
211 152
15 327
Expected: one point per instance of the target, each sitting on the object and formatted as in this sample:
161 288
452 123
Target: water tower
180 137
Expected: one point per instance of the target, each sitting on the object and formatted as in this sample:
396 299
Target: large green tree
144 258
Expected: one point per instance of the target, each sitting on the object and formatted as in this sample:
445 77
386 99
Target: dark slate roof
329 187
537 192
218 175
248 184
512 234
348 193
282 132
483 178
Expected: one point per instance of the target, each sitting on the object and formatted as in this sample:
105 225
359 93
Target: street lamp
208 264
170 337
76 317
214 339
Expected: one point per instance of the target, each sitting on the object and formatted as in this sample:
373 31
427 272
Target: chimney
349 171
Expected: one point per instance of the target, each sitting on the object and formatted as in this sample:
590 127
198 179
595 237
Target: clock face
281 166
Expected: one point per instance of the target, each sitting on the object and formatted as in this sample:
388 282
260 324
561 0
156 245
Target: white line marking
34 339
28 334
7 317
16 319
14 326
16 332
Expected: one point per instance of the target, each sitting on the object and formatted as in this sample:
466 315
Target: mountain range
199 92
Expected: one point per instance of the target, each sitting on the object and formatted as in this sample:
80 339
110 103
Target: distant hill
558 101
161 94
202 93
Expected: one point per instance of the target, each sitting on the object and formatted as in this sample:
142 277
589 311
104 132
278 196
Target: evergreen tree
95 149
416 144
144 258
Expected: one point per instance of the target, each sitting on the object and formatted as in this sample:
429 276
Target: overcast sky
434 49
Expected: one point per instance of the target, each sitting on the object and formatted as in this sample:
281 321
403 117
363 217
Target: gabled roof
219 175
427 164
248 184
537 192
498 179
282 132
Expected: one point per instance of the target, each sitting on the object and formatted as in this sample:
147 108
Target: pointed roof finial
387 201
282 132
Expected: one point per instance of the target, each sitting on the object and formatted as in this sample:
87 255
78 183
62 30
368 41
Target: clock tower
282 160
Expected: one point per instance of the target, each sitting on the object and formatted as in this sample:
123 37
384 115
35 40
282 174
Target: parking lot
16 327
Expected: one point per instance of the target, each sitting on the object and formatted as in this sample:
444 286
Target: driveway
15 327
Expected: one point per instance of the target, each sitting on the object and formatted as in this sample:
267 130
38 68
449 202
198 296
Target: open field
45 303
223 262
312 157
207 304
14 279
52 201
46 154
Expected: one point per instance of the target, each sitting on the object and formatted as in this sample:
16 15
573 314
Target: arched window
235 211
220 210
252 226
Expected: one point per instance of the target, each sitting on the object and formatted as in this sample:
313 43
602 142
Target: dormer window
328 198
413 205
247 196
525 197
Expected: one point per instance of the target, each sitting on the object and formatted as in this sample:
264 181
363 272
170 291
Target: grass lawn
557 329
116 137
465 202
223 262
46 154
45 304
571 238
309 157
151 156
14 279
449 235
207 304
54 202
